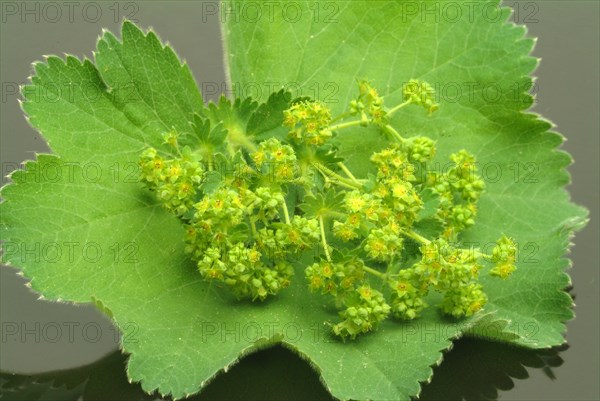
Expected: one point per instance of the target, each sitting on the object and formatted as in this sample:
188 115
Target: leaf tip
129 28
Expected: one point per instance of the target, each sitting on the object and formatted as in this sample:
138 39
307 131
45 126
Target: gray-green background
567 93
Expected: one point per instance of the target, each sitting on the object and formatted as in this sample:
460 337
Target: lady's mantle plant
239 188
230 193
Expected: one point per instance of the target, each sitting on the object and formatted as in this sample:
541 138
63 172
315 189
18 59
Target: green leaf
111 243
322 204
210 137
269 115
186 331
389 44
234 115
110 239
245 118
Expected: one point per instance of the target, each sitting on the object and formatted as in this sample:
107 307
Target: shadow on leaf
473 370
476 369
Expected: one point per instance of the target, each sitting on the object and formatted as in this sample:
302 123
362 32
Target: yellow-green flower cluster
238 237
445 266
365 309
240 231
504 255
421 94
244 270
377 221
420 149
360 209
275 161
308 122
407 295
464 301
394 185
382 244
369 105
174 180
459 190
448 269
336 278
300 234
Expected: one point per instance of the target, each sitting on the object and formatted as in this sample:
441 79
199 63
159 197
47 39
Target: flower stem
390 265
345 125
415 236
323 239
374 272
395 109
328 173
341 117
479 254
253 228
286 213
341 184
210 162
348 172
392 131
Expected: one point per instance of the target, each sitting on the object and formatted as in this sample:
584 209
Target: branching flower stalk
241 231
